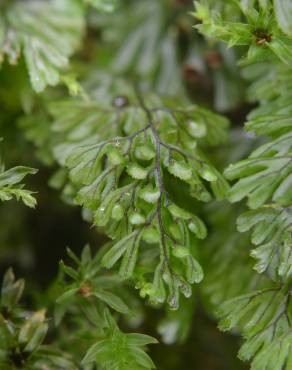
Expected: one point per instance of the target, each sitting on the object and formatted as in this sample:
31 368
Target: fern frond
10 185
272 230
226 256
260 33
265 178
45 32
266 175
119 154
146 42
264 316
118 350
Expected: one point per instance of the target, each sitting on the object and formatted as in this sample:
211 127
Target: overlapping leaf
266 175
265 318
147 44
227 261
273 116
272 230
46 32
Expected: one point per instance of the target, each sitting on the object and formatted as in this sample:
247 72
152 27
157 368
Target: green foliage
146 42
46 32
136 141
283 10
120 351
265 319
105 5
261 33
176 325
88 282
22 333
121 171
90 292
265 175
228 268
10 185
264 178
272 234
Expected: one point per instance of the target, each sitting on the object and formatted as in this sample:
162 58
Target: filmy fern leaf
265 178
45 32
272 226
265 318
265 175
228 267
146 42
119 153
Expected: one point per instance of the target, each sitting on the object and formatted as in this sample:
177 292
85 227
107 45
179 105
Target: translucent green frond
227 259
265 319
266 175
119 153
272 230
45 32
